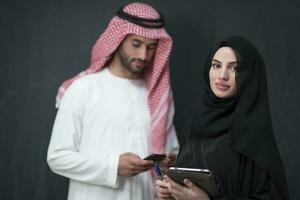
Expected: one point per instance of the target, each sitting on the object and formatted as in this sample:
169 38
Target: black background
44 42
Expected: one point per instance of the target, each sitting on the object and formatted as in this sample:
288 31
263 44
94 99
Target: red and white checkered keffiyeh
157 77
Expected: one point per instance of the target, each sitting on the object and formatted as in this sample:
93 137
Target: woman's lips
222 86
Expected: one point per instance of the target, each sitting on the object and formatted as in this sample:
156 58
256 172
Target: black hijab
246 116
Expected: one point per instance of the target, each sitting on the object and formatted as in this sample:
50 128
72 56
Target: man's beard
127 63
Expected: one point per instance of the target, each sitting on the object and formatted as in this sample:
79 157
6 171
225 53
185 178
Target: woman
233 136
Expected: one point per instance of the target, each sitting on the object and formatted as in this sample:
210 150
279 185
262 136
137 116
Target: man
117 112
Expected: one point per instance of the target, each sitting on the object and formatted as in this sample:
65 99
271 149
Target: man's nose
143 53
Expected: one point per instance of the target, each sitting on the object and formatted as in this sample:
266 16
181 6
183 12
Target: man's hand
168 161
131 164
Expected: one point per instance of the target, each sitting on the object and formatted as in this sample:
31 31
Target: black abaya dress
237 176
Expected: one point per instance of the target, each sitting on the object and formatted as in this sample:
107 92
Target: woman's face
222 73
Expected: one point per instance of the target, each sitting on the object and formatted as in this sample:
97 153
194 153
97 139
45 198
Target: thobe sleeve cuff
112 177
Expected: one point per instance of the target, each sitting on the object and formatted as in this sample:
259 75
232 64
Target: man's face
136 52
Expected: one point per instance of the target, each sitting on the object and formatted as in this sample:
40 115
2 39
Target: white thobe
102 116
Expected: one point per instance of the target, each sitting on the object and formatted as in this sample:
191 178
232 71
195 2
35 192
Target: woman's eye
214 65
234 68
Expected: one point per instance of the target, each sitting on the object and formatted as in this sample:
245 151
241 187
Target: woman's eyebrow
231 62
216 60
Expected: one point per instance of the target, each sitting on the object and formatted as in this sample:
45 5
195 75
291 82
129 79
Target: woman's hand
188 192
162 190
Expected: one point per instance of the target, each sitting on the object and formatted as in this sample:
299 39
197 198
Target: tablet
203 178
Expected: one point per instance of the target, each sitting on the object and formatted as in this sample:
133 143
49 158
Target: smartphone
155 157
